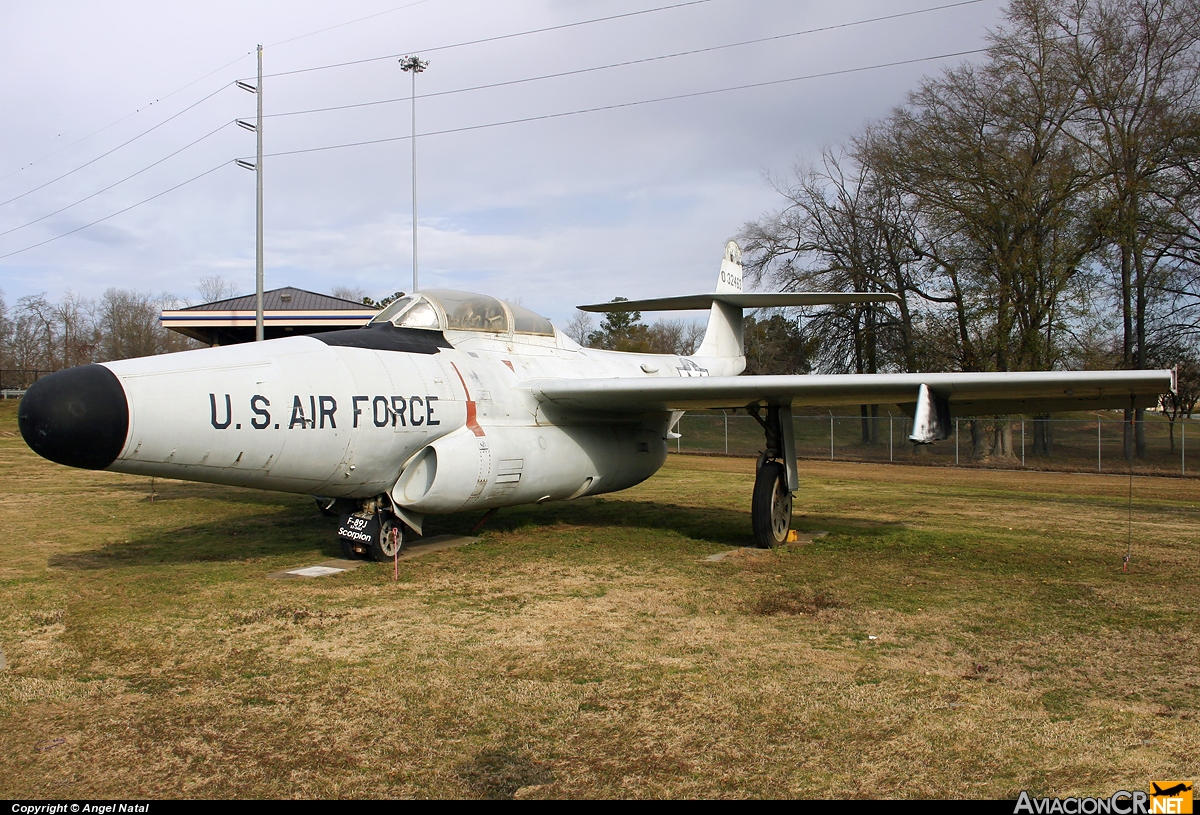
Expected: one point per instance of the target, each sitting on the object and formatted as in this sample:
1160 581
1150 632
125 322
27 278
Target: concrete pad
316 571
3 664
321 569
421 546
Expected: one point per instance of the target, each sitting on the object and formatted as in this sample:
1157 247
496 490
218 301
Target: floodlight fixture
414 64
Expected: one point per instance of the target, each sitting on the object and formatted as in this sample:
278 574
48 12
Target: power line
115 149
123 118
201 79
348 22
118 212
620 105
117 183
490 39
630 62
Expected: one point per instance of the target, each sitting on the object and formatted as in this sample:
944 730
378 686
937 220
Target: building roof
286 312
287 298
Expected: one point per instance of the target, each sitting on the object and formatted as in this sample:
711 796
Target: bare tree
693 335
79 339
1136 67
215 287
580 327
665 337
355 293
5 333
130 327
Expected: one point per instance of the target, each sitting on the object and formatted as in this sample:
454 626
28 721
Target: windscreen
393 309
421 315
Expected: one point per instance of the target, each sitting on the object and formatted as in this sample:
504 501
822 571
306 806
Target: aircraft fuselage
307 415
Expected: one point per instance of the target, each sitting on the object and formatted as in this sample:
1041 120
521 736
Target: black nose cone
76 417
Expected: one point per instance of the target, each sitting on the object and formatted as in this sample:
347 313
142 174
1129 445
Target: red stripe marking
472 423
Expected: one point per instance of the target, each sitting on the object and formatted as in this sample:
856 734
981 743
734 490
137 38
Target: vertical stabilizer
723 337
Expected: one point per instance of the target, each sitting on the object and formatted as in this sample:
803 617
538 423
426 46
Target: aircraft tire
384 546
771 506
348 551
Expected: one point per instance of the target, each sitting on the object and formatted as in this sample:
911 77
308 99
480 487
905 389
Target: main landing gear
775 480
372 532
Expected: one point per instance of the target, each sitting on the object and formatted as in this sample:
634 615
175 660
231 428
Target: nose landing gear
775 480
372 533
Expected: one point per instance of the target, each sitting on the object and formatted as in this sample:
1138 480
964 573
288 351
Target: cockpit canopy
446 309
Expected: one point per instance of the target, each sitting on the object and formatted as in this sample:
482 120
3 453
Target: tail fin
723 337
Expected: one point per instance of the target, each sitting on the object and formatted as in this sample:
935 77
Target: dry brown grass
589 649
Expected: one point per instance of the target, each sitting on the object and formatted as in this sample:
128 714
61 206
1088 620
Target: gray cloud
633 202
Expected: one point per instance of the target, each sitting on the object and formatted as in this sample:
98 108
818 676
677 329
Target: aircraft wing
968 394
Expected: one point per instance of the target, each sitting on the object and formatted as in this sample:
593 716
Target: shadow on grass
226 540
709 524
179 490
290 530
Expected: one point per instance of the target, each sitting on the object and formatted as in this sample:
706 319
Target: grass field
959 633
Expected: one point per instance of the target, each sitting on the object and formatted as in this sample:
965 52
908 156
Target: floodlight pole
414 65
258 230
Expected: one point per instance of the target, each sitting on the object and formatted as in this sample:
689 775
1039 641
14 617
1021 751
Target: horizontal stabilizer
689 302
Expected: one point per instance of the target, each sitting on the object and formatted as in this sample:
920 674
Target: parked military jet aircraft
449 401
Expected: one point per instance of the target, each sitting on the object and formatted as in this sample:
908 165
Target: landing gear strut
775 481
371 533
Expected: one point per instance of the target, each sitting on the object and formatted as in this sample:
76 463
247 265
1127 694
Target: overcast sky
636 201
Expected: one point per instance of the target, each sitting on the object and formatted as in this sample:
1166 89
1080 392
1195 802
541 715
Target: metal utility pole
258 225
414 65
258 173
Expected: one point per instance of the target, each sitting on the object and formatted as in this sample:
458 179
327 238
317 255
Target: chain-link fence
1093 444
16 380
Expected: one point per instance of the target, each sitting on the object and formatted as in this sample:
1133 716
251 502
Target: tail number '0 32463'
318 412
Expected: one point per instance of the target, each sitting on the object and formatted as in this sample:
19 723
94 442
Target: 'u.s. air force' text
313 412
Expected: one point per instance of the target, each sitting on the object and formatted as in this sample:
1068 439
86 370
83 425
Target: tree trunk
1043 440
1002 443
978 448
